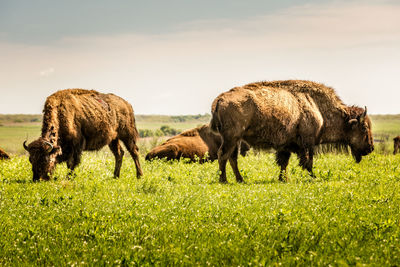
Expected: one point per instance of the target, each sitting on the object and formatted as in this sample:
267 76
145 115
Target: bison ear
56 149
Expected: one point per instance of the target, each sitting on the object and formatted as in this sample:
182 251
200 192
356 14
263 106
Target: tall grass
178 214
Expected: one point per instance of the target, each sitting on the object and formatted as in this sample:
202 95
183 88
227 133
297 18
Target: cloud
351 46
46 72
337 24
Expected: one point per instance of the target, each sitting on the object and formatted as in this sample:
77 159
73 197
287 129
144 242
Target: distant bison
289 116
3 154
75 120
396 144
197 143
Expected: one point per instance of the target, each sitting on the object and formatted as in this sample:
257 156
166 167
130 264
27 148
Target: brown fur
396 144
3 154
289 116
75 120
195 144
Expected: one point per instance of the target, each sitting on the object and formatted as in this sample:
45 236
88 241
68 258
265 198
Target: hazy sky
175 57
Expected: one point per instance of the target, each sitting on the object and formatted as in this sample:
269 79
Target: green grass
12 133
12 137
178 214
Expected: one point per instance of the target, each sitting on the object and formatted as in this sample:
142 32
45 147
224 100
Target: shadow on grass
246 183
309 180
273 181
17 181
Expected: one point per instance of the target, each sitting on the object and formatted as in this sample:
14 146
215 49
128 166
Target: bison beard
291 117
75 120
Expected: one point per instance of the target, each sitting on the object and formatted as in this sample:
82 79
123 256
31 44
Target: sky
175 57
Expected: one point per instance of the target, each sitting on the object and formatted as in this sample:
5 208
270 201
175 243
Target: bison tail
215 123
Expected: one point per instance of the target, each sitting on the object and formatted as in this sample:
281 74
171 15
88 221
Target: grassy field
14 129
178 214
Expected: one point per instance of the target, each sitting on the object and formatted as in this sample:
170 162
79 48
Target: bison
3 154
291 116
195 144
396 144
75 120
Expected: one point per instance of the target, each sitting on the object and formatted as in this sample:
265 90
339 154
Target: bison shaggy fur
75 120
291 116
3 154
195 144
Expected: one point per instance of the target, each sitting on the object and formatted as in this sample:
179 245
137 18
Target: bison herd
292 116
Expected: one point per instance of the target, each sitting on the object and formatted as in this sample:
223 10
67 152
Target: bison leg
134 151
282 159
116 149
234 164
396 148
224 153
72 162
306 160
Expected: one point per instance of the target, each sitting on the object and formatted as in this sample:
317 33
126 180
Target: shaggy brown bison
195 144
3 154
289 116
396 144
75 120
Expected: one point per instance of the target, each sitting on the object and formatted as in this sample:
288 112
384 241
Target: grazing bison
3 154
289 116
396 144
197 143
75 120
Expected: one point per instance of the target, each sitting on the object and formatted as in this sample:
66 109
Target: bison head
42 155
359 133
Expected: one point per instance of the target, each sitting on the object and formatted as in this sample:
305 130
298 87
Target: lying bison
289 116
396 144
75 120
195 144
3 154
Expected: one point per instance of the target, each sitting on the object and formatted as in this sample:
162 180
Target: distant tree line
164 130
19 118
169 119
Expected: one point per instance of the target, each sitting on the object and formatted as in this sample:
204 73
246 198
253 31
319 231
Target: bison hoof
223 180
283 180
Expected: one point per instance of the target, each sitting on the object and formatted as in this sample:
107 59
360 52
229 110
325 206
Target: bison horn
352 121
365 112
362 117
25 146
50 146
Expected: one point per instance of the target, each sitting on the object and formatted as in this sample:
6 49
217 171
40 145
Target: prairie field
178 213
